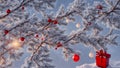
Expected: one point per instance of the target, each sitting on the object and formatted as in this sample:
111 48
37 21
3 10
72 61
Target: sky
85 61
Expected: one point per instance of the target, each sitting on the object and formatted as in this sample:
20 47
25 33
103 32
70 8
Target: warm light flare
15 44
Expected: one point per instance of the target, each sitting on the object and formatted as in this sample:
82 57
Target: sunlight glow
15 44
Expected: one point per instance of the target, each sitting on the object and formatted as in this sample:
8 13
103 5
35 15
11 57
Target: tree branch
22 3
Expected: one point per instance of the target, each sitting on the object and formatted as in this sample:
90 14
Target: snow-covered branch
22 25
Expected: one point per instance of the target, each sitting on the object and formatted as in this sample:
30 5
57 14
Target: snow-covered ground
93 65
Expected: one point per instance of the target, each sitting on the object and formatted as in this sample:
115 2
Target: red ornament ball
36 35
6 32
99 7
42 38
76 57
8 11
55 22
23 7
22 38
49 20
59 44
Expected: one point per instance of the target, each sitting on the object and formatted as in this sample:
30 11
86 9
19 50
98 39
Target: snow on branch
23 27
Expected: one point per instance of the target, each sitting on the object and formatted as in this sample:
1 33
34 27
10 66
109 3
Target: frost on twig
26 24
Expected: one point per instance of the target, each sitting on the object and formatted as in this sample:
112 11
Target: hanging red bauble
42 38
22 38
49 20
99 7
59 44
8 11
76 57
36 35
55 22
23 7
6 32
